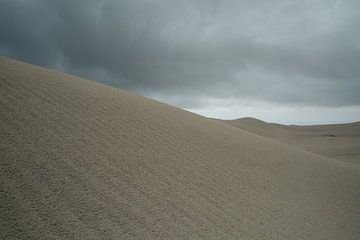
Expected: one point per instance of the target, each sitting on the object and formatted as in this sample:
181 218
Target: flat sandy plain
338 141
80 160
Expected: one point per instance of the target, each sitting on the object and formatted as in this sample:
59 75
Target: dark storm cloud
286 52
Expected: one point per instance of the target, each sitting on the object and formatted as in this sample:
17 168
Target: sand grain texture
80 160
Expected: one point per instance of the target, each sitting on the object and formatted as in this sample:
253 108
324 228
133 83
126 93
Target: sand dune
338 141
80 160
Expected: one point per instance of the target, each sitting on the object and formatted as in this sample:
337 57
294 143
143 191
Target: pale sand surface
338 141
80 160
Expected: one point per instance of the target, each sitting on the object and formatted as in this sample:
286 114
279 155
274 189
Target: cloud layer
286 53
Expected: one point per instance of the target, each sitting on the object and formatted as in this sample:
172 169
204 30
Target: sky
288 61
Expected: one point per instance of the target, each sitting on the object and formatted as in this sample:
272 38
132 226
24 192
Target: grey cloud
286 52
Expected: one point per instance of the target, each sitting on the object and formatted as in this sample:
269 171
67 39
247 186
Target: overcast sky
286 61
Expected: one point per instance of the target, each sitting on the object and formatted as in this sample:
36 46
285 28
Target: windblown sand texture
80 160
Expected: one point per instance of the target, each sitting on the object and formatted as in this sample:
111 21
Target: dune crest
80 160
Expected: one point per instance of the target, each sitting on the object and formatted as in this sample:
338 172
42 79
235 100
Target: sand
80 160
338 141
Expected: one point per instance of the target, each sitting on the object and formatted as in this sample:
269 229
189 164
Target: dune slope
80 160
338 141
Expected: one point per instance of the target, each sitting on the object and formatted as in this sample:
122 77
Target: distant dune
338 141
80 160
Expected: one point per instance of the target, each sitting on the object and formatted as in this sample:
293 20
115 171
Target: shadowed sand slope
80 160
338 141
